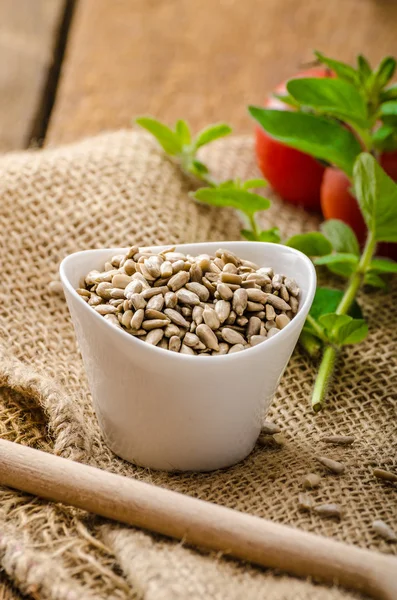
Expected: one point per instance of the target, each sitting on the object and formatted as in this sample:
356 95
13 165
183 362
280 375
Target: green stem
254 226
316 327
323 376
330 353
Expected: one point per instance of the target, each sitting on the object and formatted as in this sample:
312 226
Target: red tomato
338 203
294 175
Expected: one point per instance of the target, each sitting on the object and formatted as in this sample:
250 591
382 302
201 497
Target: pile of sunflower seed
203 305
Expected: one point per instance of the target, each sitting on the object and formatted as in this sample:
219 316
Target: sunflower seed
150 292
231 336
80 291
282 321
197 314
270 428
223 349
231 278
291 286
294 303
257 339
273 331
186 350
151 313
137 301
229 257
224 291
304 502
236 348
382 529
113 320
207 336
186 311
199 289
154 336
210 286
196 273
284 294
95 300
254 306
174 344
331 465
187 297
173 330
231 319
126 319
230 268
170 299
240 300
386 475
277 302
105 309
103 290
342 440
135 287
178 281
192 340
211 318
222 309
176 317
256 295
329 510
129 267
156 302
311 480
242 321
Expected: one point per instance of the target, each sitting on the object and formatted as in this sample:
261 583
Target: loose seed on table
342 440
270 428
311 480
329 510
304 502
332 465
385 475
383 529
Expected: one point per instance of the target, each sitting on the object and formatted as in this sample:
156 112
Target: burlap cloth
115 190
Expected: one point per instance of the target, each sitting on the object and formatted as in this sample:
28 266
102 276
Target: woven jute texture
115 190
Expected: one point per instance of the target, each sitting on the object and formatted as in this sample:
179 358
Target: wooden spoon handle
196 522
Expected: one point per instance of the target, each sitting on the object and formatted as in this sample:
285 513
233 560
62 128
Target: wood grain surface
28 36
203 60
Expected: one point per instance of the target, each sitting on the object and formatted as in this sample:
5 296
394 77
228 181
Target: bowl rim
270 343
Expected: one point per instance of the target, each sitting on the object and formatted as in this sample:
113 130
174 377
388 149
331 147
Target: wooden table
72 68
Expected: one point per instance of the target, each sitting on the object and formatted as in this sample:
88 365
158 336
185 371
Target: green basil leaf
248 202
388 112
211 133
382 265
167 139
317 136
332 96
270 235
254 183
332 322
249 235
377 196
343 70
228 184
351 333
338 257
198 167
385 138
373 280
384 72
311 244
343 269
389 93
341 236
364 68
326 300
183 132
287 99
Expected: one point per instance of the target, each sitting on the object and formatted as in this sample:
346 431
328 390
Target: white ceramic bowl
164 410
